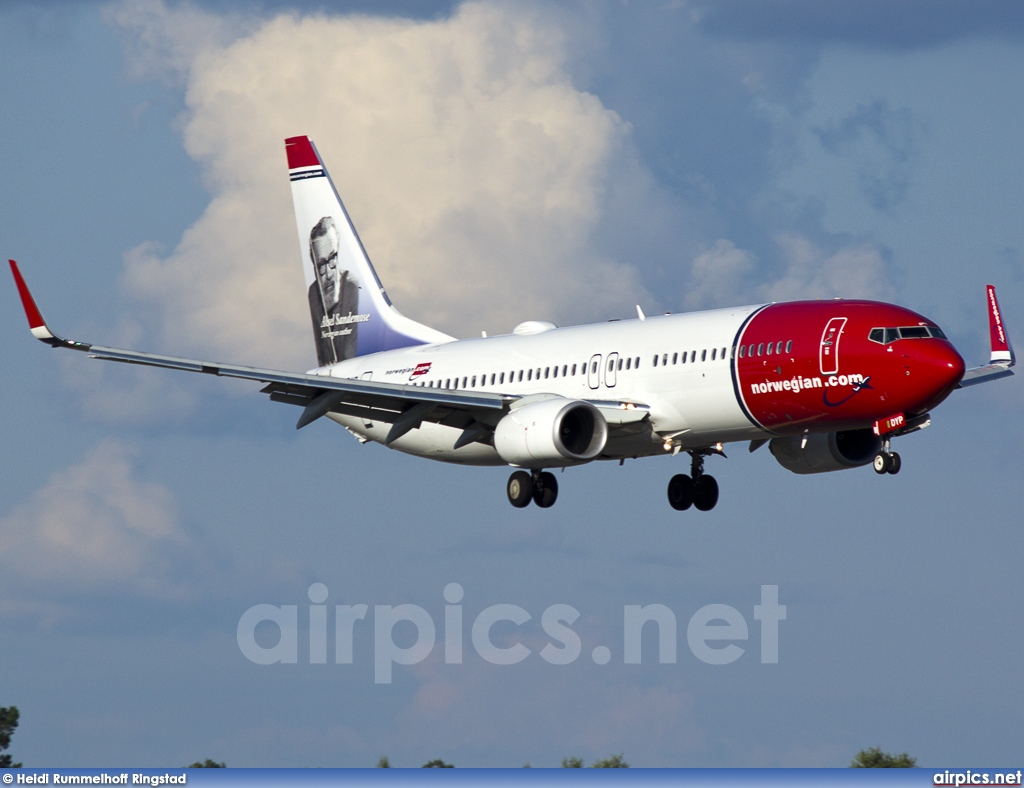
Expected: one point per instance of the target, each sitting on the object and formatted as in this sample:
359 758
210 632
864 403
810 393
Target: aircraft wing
984 374
1001 357
405 407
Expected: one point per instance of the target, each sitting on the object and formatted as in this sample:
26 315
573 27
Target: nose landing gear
699 489
538 486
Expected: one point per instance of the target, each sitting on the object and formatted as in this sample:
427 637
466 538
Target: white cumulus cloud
725 274
473 168
94 525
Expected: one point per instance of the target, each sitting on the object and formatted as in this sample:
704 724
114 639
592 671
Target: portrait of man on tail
333 297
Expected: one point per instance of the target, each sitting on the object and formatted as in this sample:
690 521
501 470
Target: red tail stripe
300 153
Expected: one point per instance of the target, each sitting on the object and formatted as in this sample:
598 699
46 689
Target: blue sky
503 161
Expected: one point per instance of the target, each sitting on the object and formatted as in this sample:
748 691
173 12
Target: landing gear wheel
545 490
895 463
881 463
520 489
705 493
680 492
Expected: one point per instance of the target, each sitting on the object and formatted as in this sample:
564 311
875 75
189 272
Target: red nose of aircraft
936 368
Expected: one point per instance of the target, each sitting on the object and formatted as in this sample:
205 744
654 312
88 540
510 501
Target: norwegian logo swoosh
857 388
421 369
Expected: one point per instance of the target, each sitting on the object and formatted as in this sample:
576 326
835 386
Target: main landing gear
887 461
698 489
538 486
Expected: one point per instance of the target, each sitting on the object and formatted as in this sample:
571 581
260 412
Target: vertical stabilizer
352 314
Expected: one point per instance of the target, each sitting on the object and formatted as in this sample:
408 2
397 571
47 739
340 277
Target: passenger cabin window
714 350
704 355
628 364
789 346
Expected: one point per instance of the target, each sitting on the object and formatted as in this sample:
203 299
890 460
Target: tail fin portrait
351 313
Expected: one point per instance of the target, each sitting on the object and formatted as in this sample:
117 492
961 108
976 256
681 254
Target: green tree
209 763
611 762
572 763
383 762
437 763
8 722
874 758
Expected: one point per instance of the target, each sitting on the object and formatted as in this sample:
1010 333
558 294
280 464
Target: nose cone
936 369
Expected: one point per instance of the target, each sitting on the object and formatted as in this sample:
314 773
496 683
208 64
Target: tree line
871 758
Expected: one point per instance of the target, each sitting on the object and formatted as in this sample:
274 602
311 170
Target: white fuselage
691 401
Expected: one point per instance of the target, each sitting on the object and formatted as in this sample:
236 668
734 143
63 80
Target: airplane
826 384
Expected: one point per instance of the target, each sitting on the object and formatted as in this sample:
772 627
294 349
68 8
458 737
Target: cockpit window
886 335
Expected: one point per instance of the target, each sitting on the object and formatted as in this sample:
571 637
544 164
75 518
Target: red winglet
1001 350
35 317
300 153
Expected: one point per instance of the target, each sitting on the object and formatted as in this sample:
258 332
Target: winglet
35 318
1002 351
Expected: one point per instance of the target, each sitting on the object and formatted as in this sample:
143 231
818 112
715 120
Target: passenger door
829 351
610 370
594 371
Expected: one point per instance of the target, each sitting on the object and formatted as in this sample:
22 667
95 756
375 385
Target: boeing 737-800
826 384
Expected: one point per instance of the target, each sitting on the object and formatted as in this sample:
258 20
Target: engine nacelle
551 433
829 451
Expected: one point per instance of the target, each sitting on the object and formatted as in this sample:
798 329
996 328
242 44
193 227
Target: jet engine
828 451
550 433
